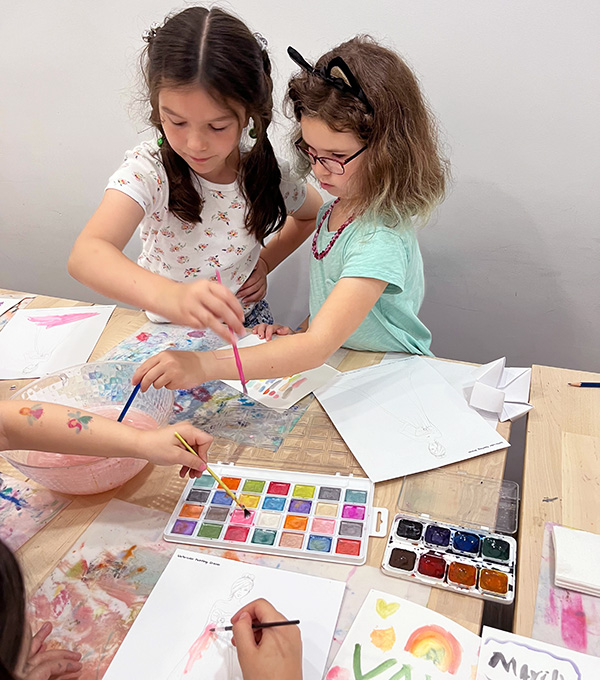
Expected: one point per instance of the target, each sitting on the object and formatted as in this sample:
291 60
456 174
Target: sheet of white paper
170 639
505 656
281 393
405 641
8 302
36 342
570 570
402 417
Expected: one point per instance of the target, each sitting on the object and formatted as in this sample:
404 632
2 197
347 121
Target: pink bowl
102 388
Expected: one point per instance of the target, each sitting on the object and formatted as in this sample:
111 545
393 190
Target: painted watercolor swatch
25 509
40 341
171 638
395 638
281 393
214 406
564 617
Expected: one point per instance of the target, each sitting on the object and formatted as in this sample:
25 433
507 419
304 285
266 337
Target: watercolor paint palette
450 532
313 516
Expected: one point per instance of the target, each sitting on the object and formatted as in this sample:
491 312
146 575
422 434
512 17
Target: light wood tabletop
160 487
561 474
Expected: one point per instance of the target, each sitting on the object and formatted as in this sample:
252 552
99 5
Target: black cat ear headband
337 73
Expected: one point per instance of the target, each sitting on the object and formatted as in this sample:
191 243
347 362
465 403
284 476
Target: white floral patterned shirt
186 251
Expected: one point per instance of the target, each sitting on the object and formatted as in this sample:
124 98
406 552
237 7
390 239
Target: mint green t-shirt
369 250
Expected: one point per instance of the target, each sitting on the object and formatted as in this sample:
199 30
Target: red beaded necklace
320 255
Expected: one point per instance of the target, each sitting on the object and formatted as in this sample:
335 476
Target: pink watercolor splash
199 647
338 673
573 623
53 320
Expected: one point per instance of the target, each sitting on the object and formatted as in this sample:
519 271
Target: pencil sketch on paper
212 655
415 424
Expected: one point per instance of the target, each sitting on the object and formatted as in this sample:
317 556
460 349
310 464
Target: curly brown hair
217 51
404 174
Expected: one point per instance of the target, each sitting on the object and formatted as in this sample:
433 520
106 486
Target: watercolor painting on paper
25 509
506 656
395 638
177 641
40 341
564 617
281 393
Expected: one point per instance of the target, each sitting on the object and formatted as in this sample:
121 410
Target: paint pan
318 517
450 532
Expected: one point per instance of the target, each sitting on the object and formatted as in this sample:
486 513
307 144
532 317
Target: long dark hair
217 51
403 172
12 612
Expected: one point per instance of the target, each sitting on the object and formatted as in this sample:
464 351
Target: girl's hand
268 653
50 664
162 447
267 331
255 286
207 304
172 369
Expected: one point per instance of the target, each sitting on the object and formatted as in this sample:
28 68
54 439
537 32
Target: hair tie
149 35
261 40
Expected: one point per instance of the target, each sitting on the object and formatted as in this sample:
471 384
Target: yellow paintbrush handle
219 481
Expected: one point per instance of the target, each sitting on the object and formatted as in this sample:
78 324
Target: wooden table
561 475
160 487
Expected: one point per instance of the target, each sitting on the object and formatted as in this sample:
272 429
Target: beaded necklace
320 255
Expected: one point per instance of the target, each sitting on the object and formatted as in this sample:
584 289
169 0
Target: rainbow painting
281 393
394 638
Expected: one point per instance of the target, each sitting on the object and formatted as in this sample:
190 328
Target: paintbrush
216 477
258 626
236 354
136 389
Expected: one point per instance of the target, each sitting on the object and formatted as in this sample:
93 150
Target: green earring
252 133
160 141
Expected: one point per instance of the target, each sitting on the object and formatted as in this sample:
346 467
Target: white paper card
394 639
505 656
169 640
281 393
9 301
401 417
36 342
573 571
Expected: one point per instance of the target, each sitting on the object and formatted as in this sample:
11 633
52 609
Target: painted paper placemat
214 406
25 508
506 656
40 341
394 639
95 593
564 617
174 627
401 417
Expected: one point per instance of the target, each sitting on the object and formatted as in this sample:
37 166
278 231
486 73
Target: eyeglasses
332 165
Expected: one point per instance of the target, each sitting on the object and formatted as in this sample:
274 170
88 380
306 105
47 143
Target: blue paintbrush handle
136 389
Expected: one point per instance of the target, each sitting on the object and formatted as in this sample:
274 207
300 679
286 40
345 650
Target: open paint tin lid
459 498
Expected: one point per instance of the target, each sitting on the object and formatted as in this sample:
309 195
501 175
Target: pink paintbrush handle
236 354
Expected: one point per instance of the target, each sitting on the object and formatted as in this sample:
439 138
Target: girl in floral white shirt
203 201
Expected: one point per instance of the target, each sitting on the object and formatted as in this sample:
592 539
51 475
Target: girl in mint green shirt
370 140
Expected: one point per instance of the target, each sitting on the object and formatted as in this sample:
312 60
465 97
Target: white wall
512 258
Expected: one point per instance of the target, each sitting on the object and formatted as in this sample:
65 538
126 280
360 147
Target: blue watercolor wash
273 503
221 498
437 535
319 543
466 542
